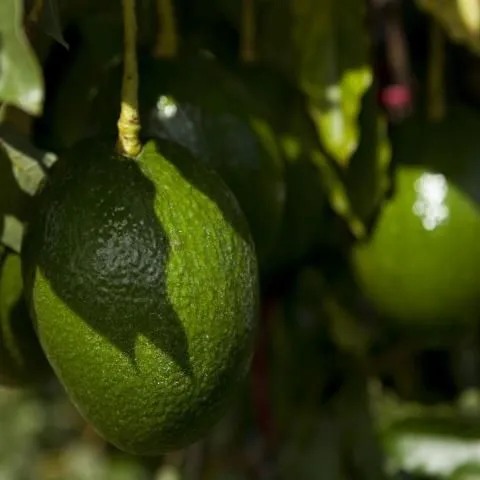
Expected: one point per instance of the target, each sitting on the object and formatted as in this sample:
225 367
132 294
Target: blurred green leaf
432 444
11 233
21 420
21 79
50 21
460 18
327 56
22 169
28 162
357 191
365 457
440 440
338 196
314 448
323 45
12 205
469 471
337 438
168 472
346 331
367 177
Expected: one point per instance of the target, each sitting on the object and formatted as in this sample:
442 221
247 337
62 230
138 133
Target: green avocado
142 279
194 102
223 126
236 119
421 264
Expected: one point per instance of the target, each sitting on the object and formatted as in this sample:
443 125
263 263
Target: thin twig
166 45
248 31
129 122
436 72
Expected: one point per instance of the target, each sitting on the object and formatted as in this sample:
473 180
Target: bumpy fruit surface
199 105
421 265
203 108
142 277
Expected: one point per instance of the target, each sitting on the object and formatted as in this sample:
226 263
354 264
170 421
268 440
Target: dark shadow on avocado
212 121
100 278
205 179
228 144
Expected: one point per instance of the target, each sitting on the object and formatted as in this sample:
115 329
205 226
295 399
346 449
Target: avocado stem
129 122
247 34
166 45
436 71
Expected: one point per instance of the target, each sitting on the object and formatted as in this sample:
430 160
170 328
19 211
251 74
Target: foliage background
316 405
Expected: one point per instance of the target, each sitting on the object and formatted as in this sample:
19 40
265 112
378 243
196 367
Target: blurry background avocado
221 124
421 265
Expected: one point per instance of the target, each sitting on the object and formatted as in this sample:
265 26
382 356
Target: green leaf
12 205
28 162
327 57
323 45
338 195
346 331
367 177
359 436
469 471
460 18
438 441
11 232
50 21
22 169
434 445
21 78
337 438
356 192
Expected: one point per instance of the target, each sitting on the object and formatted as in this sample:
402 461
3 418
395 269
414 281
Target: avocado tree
239 239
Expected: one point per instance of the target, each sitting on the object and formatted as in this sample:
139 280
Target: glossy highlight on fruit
421 265
221 124
142 278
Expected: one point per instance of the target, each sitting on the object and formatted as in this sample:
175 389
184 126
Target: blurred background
367 361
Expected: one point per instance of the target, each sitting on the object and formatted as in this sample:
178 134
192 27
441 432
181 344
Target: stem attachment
166 45
128 124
